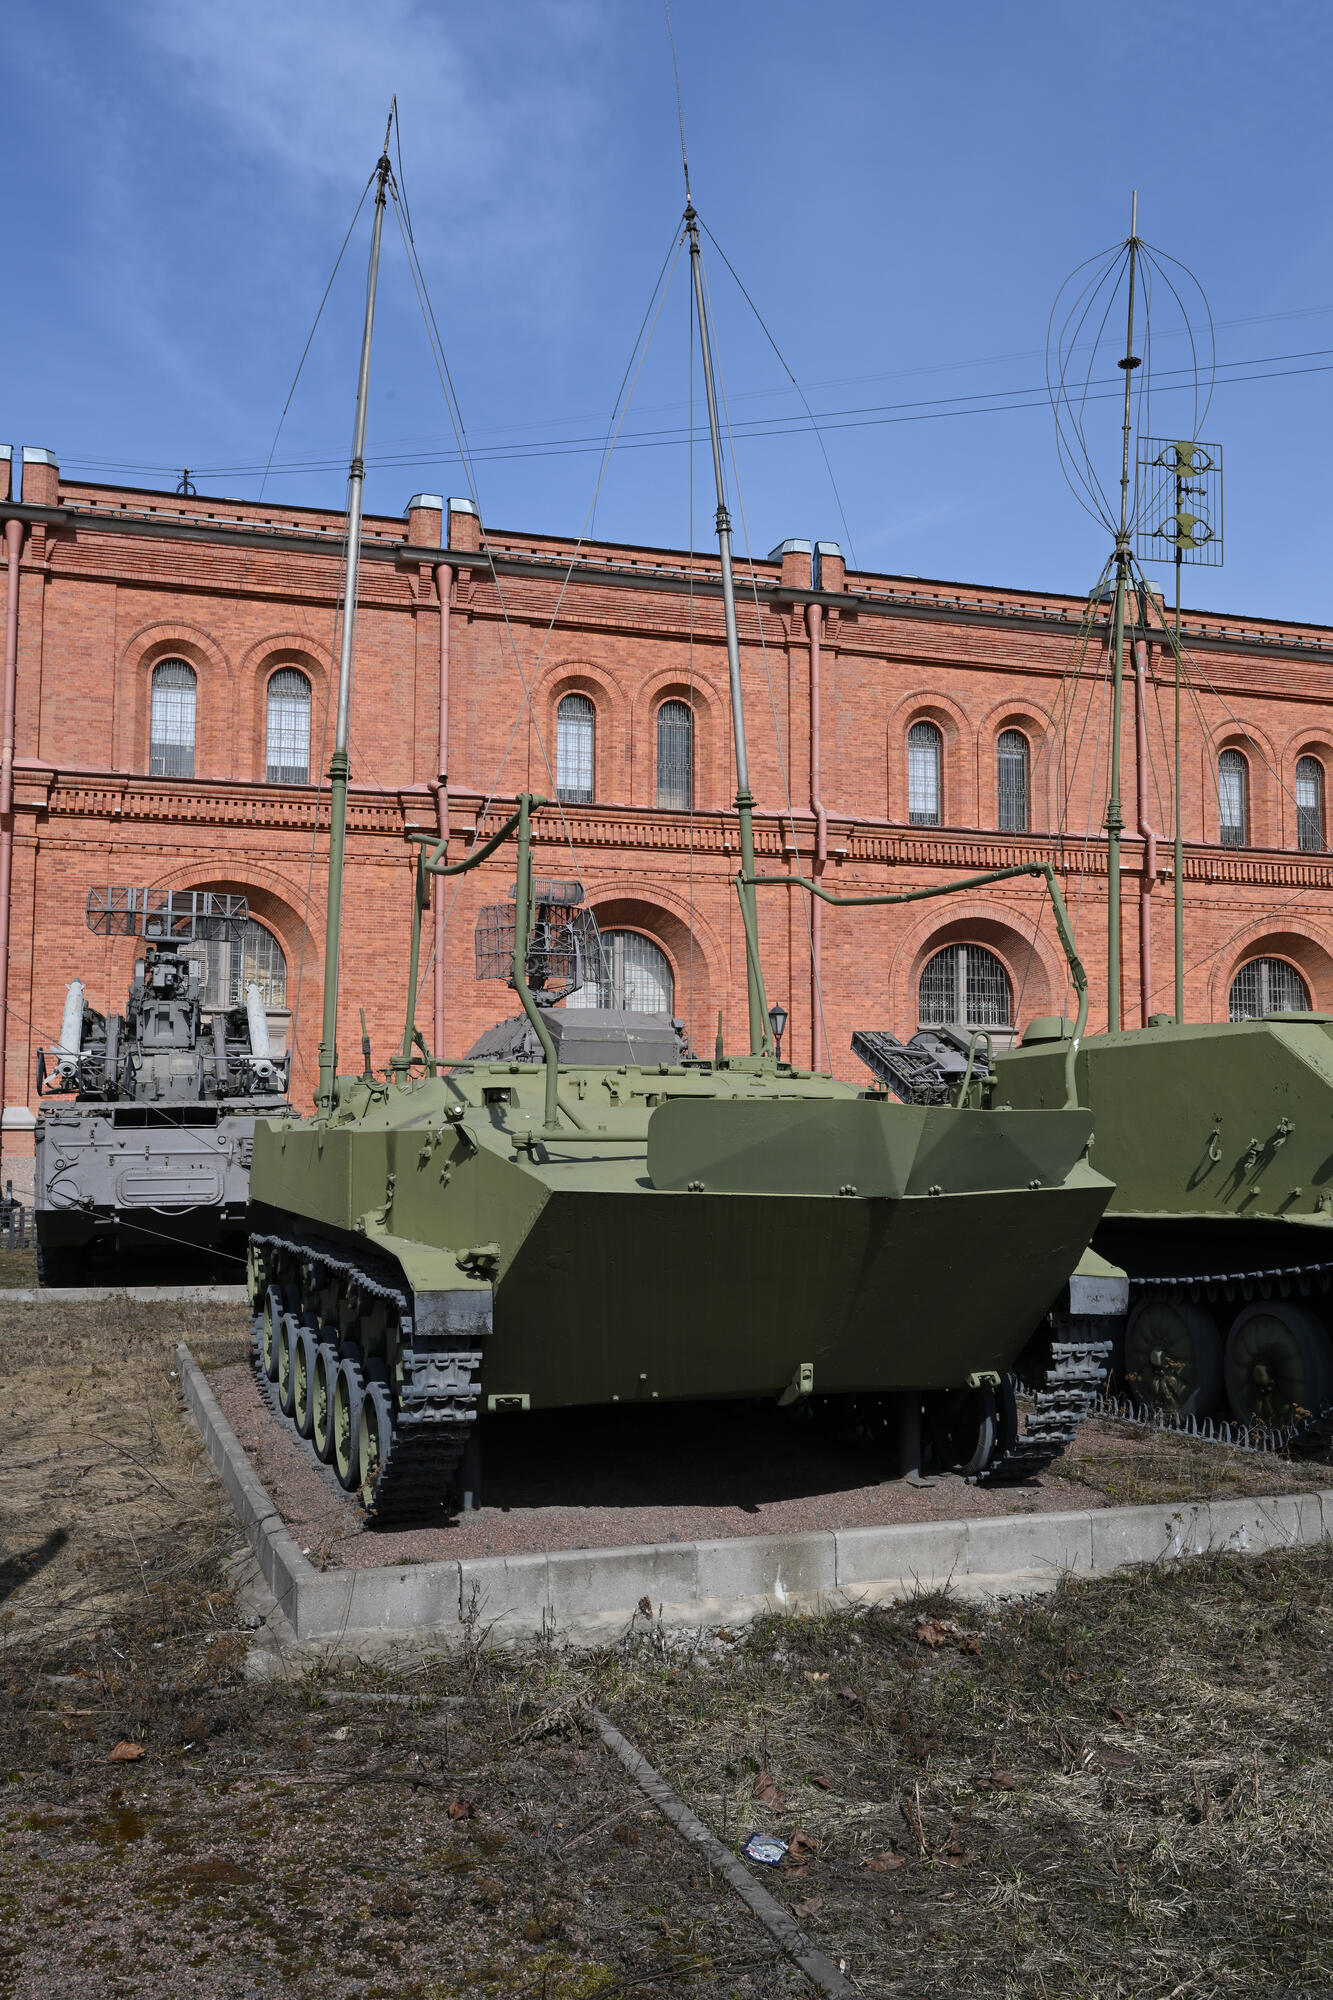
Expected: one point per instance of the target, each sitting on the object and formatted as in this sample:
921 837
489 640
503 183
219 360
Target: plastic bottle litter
764 1847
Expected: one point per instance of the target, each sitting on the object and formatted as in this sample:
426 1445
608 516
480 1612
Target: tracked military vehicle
146 1119
1217 1135
1219 1138
629 1224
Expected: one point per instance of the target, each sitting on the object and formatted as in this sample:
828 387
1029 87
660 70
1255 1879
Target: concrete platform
588 1596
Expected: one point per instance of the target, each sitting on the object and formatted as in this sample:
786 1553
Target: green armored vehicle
499 1235
1219 1139
1217 1135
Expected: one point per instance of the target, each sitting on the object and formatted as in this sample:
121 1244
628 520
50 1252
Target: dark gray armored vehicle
146 1126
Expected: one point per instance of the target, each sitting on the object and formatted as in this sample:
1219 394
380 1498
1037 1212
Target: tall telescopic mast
1115 818
338 770
754 978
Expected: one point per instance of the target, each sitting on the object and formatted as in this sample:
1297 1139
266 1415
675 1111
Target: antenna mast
1115 817
339 770
760 1032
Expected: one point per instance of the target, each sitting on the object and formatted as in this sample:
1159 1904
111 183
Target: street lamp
777 1021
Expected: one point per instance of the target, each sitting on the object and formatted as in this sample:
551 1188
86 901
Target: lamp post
777 1021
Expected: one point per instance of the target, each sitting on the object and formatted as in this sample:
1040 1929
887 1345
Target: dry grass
274 1839
102 1483
18 1269
1133 1466
1122 1791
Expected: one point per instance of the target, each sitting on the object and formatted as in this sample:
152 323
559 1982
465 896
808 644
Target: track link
435 1402
1073 1382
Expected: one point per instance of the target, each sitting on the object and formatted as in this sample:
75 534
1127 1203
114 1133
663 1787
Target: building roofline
524 551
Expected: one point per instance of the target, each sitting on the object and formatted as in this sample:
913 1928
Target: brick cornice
1022 611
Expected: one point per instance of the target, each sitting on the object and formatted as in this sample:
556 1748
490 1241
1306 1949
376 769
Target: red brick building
169 665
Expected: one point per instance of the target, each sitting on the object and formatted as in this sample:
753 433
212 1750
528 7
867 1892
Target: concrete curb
590 1595
72 1295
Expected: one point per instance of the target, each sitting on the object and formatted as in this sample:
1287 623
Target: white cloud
498 125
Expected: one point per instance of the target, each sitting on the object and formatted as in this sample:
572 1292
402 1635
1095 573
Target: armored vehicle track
335 1347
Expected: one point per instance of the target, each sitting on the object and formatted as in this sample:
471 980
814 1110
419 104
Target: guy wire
526 681
768 678
782 360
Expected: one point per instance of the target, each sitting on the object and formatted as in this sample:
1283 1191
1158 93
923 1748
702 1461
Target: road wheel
289 1332
348 1396
323 1385
1278 1364
270 1332
303 1382
1173 1357
962 1426
374 1437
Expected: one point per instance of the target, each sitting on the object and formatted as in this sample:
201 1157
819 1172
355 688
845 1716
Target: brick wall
113 581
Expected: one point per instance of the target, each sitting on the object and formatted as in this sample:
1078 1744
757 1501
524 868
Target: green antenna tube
339 770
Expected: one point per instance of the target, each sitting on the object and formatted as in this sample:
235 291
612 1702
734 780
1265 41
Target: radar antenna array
1178 502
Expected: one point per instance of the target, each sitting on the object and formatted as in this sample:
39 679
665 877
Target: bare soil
1121 1792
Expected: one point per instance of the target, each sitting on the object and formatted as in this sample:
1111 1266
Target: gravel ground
607 1479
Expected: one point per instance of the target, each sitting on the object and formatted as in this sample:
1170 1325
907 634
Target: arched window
965 986
1011 774
227 966
636 973
1232 799
171 730
1310 805
287 759
925 748
575 732
1268 986
675 756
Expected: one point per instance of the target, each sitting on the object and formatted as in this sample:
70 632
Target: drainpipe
1148 834
444 578
814 621
13 549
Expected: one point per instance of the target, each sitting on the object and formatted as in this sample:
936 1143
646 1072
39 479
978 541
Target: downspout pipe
1147 833
444 579
814 625
13 550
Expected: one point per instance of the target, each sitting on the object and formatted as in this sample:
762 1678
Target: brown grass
1133 1466
1121 1794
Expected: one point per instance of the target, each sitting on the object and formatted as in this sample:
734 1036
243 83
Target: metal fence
13 1221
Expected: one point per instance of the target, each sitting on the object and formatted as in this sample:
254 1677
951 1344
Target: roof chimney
830 570
464 525
794 555
425 514
41 477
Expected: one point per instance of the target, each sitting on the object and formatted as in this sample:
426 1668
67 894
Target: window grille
228 964
288 752
1011 760
575 730
636 973
675 756
171 729
966 986
1310 805
924 745
1231 798
1268 986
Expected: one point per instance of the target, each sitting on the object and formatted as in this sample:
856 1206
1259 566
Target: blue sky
901 189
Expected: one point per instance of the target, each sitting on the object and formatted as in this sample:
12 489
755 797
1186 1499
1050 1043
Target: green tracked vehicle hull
1219 1139
713 1232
